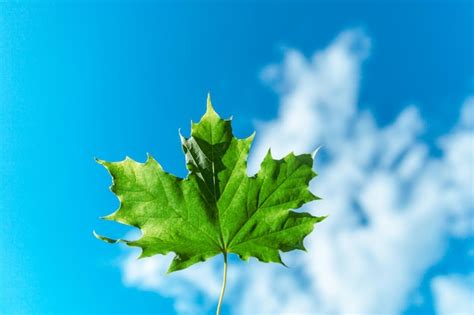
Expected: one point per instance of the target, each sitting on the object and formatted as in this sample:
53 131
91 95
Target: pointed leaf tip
103 238
315 152
181 137
149 157
209 108
109 240
252 136
269 154
109 217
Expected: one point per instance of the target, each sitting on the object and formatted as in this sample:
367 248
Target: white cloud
393 207
302 83
186 286
454 294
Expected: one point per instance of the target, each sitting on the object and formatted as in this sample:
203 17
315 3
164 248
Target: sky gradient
79 81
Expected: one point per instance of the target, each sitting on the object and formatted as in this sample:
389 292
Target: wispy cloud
393 206
454 294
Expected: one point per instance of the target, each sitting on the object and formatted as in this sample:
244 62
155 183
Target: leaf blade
217 208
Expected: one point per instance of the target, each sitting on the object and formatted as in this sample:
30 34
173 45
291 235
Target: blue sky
108 80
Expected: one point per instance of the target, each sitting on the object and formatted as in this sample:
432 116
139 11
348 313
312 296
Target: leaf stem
224 281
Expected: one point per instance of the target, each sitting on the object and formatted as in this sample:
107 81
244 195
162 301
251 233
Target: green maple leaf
217 208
